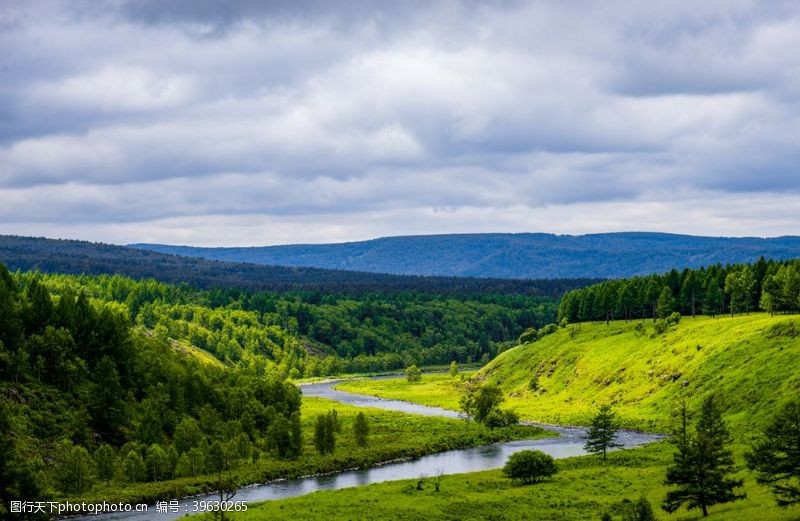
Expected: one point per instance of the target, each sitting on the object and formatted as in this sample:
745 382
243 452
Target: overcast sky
233 123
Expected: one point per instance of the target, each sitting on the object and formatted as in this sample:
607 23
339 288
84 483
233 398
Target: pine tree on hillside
776 457
602 433
702 464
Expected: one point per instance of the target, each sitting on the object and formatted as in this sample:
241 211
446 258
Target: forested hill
525 255
80 257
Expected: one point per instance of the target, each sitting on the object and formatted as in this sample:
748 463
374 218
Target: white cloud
347 123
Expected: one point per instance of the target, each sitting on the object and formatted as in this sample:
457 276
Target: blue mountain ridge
507 255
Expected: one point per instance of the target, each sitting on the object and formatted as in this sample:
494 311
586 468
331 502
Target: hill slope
525 255
750 360
81 257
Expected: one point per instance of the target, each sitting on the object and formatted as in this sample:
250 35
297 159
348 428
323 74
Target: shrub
501 418
529 466
549 329
529 335
638 511
533 385
413 374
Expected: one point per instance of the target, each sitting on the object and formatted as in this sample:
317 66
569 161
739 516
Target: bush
529 466
529 335
549 329
638 511
662 324
533 385
501 418
413 374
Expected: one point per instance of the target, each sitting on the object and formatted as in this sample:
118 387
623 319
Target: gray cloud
131 120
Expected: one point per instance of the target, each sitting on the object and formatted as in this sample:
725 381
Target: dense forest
80 257
767 285
314 333
82 398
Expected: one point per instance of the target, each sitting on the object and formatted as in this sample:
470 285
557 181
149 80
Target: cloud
132 119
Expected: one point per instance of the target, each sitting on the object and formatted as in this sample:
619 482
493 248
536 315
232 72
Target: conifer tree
602 433
702 463
776 457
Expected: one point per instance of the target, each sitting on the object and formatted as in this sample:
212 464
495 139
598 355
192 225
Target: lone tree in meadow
529 466
413 374
776 457
453 369
602 433
361 429
702 463
325 430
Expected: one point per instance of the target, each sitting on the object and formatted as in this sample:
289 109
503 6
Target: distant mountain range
81 257
500 255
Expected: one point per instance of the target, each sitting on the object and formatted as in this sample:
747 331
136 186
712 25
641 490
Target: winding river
487 457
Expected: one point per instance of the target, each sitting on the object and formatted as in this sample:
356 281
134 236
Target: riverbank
393 436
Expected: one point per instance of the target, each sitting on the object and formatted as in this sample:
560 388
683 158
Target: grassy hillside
751 360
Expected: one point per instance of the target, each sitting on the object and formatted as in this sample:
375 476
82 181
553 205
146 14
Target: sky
231 123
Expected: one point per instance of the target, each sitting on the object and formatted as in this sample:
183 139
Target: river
568 443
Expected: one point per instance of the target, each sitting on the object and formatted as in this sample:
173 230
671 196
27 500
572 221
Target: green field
751 360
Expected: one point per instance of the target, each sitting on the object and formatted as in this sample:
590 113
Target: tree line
313 333
768 285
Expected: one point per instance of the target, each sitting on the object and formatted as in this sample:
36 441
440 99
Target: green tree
132 468
712 303
776 456
280 438
325 432
74 468
413 374
740 285
157 463
690 290
479 401
105 460
666 303
529 466
453 369
702 463
187 435
361 429
602 433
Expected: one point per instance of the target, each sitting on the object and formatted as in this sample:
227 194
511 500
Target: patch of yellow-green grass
200 355
437 389
583 489
749 360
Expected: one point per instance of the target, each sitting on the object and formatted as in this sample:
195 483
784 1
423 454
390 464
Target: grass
392 435
437 389
750 360
584 488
